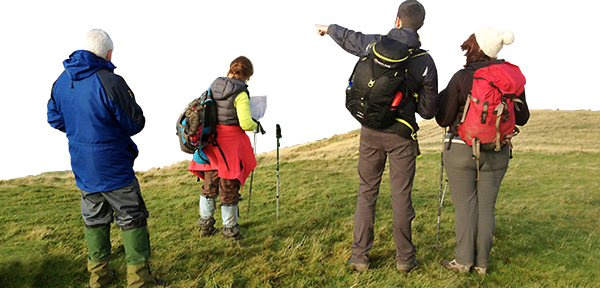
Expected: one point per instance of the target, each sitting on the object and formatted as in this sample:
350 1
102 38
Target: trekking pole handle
277 131
277 135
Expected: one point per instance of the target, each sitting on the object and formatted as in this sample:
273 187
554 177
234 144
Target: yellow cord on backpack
413 134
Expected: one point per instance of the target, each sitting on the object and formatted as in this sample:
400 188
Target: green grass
546 236
547 228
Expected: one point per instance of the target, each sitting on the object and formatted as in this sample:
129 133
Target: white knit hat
491 40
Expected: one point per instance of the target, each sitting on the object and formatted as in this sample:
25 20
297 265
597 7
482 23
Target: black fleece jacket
421 68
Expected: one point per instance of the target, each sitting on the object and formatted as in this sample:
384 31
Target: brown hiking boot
406 268
232 232
207 226
454 266
359 267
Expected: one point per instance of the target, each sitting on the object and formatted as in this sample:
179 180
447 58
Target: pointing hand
322 29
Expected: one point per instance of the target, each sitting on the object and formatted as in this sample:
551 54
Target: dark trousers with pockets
375 148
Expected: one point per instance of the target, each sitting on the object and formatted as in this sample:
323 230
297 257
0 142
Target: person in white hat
475 183
491 40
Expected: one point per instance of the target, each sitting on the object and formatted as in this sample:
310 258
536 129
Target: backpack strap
354 70
413 134
499 110
466 108
416 52
222 154
213 139
517 100
476 153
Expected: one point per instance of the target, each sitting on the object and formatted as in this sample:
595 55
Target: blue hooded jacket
99 114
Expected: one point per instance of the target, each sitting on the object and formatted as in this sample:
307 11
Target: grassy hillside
546 235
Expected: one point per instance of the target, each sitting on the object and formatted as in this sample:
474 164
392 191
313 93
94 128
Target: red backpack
488 116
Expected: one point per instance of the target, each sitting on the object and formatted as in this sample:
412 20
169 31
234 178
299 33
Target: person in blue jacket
98 112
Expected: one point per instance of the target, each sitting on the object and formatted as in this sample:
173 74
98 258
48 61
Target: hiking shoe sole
209 232
234 237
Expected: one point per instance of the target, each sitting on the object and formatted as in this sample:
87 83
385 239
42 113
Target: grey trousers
474 201
375 148
125 205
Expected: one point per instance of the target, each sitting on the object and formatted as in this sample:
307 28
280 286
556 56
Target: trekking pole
440 204
251 178
277 135
441 194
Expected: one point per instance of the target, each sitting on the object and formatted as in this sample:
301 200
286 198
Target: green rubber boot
98 243
137 253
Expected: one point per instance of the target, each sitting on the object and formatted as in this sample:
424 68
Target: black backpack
196 126
374 88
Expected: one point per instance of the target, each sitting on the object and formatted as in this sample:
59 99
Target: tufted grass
546 233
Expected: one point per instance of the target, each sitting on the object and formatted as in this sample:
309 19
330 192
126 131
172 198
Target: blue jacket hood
82 64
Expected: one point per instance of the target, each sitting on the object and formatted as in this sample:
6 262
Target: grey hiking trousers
375 148
125 205
474 201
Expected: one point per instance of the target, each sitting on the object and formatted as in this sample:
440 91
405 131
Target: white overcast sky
170 51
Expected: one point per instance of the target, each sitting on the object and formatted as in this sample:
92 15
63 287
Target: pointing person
398 142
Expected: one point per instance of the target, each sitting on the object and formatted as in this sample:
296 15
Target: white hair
98 42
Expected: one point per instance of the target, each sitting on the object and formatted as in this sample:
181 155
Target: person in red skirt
231 162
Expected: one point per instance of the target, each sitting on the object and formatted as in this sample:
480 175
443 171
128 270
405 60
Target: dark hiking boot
406 268
454 266
160 282
207 226
357 266
232 232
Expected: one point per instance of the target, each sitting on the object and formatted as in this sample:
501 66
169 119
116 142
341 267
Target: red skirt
238 153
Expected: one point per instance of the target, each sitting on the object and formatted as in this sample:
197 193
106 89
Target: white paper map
258 106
